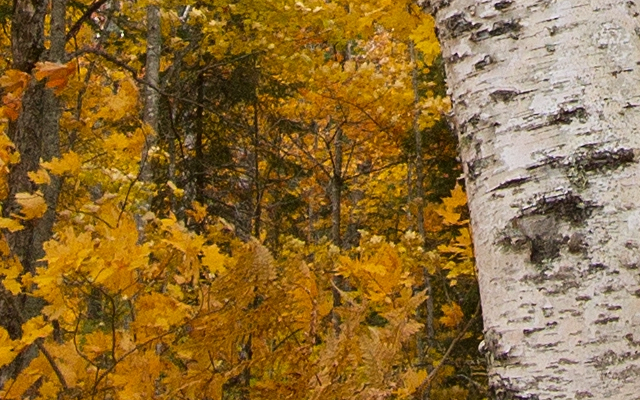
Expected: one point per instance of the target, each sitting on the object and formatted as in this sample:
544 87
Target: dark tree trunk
35 135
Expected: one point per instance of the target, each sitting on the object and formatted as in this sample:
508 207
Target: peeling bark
544 96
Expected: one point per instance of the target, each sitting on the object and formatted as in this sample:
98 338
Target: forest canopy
248 199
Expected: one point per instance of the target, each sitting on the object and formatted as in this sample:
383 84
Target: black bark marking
604 360
458 25
606 320
565 117
596 267
502 389
531 331
503 95
475 167
536 229
511 27
544 248
566 206
601 160
503 5
486 60
492 345
546 345
456 57
583 298
511 183
631 340
576 243
502 27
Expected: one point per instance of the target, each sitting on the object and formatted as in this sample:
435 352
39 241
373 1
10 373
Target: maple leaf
11 271
39 177
57 75
11 224
458 198
198 212
213 259
35 328
32 205
453 315
412 379
7 348
425 39
13 83
14 80
70 163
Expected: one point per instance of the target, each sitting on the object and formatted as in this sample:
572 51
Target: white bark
547 104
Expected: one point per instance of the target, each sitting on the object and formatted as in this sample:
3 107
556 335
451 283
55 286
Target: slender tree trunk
152 77
419 168
200 170
36 136
336 188
546 104
35 132
258 187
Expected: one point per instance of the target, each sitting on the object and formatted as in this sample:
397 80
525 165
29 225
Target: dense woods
247 199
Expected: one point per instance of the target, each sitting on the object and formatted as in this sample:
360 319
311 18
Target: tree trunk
427 341
545 103
336 188
152 77
36 136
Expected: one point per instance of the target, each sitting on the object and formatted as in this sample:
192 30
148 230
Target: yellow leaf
449 217
412 379
40 177
425 39
69 163
7 348
156 310
458 198
33 329
213 259
452 315
13 80
33 205
199 211
374 268
176 191
11 224
13 286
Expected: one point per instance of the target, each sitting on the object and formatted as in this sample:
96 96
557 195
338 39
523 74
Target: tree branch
87 14
427 382
11 300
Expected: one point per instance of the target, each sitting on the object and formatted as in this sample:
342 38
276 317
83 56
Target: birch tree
545 103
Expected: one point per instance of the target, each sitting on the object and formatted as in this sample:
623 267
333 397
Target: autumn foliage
221 277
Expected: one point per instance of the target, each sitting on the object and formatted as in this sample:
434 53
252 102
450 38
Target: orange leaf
57 75
452 315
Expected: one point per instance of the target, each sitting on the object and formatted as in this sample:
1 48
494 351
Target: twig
427 382
11 300
87 14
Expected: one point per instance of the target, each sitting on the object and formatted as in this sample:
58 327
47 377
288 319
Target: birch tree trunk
547 107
